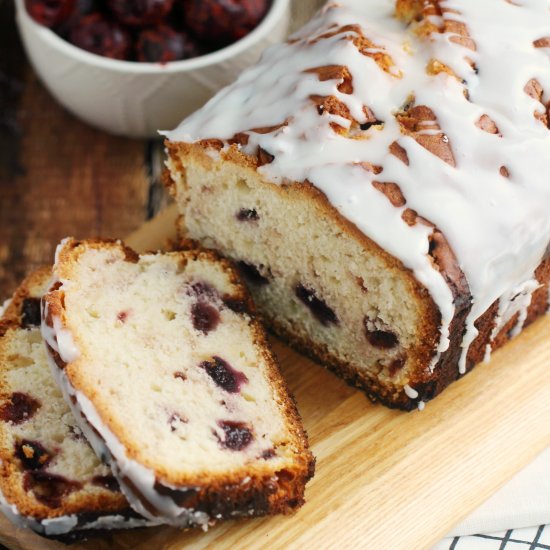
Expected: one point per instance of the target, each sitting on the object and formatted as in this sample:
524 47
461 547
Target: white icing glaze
4 306
65 524
487 354
498 227
52 526
109 448
518 302
410 392
66 347
57 336
117 522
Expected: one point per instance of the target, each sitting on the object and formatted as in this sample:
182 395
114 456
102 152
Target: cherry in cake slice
50 480
170 376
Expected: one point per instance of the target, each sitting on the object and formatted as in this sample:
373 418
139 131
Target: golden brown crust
212 491
11 474
415 120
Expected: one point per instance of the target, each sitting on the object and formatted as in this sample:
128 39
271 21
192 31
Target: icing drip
58 337
65 524
411 392
108 446
4 306
486 189
517 301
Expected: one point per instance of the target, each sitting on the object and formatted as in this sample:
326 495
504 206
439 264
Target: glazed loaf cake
51 480
381 178
172 382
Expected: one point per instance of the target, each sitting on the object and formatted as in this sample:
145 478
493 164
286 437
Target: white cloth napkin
523 502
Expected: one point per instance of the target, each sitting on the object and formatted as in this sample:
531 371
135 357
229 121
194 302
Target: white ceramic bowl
136 99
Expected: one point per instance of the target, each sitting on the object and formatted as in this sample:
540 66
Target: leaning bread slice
50 480
173 383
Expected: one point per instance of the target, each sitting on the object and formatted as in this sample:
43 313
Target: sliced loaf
173 383
50 480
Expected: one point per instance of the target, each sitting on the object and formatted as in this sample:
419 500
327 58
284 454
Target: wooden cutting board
385 479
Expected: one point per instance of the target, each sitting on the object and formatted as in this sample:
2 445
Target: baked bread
173 384
381 178
50 478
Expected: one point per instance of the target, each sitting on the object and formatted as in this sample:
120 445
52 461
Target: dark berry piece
224 375
247 215
252 273
33 455
205 317
180 375
220 22
382 339
237 434
76 433
49 488
320 310
163 44
19 408
30 313
268 453
96 34
202 289
140 13
50 13
122 316
82 8
366 125
395 366
175 419
107 482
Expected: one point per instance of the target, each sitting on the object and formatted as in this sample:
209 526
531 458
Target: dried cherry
97 34
50 13
220 22
162 44
140 13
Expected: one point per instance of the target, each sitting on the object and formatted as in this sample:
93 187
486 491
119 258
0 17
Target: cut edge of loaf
424 380
214 496
87 512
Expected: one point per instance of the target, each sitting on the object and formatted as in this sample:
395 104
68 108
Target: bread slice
50 480
173 383
381 180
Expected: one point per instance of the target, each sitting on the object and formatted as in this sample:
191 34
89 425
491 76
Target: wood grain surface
385 480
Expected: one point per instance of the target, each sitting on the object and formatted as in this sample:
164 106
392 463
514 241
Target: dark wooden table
59 176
